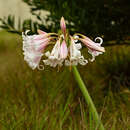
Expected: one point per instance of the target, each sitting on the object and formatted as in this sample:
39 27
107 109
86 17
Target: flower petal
92 45
33 49
63 50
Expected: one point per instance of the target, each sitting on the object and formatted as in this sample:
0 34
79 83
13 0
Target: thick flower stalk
66 49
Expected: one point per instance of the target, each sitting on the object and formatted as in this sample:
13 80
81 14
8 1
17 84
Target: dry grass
51 100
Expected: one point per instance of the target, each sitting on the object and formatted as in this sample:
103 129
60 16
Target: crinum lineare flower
54 58
65 51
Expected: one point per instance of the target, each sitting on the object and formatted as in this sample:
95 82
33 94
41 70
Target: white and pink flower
58 54
75 55
33 47
66 49
54 58
94 48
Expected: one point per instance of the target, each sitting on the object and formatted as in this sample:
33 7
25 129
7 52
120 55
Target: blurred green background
51 99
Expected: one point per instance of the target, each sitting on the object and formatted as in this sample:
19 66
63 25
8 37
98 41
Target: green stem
87 97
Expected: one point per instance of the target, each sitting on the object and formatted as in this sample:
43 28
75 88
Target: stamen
40 67
78 34
99 38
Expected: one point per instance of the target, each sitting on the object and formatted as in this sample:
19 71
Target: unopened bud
63 25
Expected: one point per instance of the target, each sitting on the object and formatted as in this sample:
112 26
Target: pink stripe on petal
41 36
88 39
42 46
37 59
41 32
92 45
38 42
63 50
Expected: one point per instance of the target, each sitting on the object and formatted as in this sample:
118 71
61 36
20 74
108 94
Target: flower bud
63 25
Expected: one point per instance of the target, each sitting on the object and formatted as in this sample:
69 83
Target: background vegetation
108 19
51 100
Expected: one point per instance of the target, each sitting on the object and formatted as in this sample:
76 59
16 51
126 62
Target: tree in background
108 19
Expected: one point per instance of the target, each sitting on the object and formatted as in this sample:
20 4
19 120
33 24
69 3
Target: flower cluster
65 51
